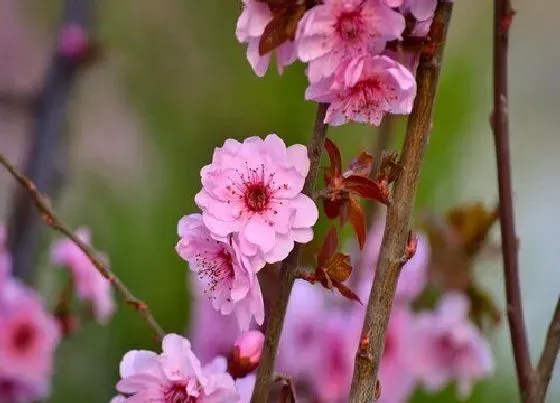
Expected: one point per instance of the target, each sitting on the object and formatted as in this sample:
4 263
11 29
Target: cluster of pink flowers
90 285
175 375
429 348
345 46
29 336
252 212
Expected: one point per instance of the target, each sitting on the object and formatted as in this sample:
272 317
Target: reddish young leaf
334 157
347 292
339 267
365 187
295 15
274 34
357 220
329 247
361 165
332 208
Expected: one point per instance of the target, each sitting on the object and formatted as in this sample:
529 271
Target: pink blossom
448 347
228 277
252 190
414 274
29 335
250 27
249 346
423 12
174 376
73 41
364 90
339 30
14 390
319 342
397 381
90 285
245 388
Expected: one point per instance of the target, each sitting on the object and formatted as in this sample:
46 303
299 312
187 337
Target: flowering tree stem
399 213
500 126
288 272
42 204
548 357
47 154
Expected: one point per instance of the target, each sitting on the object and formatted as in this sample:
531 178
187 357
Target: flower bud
245 354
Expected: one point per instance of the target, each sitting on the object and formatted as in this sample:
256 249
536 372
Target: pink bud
245 354
73 41
250 346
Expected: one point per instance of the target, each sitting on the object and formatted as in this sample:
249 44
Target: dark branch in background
395 239
381 140
500 125
288 272
47 157
548 357
42 204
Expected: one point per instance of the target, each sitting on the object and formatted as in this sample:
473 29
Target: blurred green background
175 83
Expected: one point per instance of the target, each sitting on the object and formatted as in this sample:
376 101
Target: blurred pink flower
13 390
173 376
252 190
414 274
73 41
211 333
28 337
448 347
337 31
250 26
364 90
302 329
245 388
397 381
227 275
90 285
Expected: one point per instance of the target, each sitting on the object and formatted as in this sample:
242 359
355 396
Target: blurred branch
503 14
42 204
393 253
381 140
548 357
12 100
288 271
47 157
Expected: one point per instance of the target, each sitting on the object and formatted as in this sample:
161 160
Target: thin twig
288 271
42 204
47 155
500 128
548 357
399 212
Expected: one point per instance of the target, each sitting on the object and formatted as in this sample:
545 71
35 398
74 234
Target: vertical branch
288 271
548 357
502 18
47 156
393 247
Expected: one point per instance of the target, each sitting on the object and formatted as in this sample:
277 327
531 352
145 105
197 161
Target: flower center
23 337
177 393
450 351
348 26
256 197
216 268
